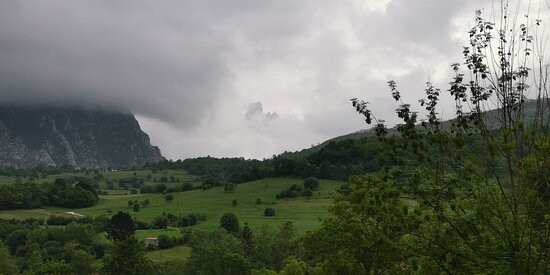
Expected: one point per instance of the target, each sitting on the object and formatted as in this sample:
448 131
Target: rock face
82 138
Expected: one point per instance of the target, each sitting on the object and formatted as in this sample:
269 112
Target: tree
248 240
229 187
145 202
234 202
230 222
165 241
366 227
126 256
311 183
169 198
216 253
130 203
161 188
120 227
51 267
272 248
268 212
479 179
8 265
161 222
136 207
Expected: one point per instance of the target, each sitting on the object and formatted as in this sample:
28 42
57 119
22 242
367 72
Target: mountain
490 117
78 137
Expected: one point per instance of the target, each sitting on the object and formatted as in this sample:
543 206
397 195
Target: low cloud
189 69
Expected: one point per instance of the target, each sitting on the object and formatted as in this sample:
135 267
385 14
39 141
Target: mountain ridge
70 136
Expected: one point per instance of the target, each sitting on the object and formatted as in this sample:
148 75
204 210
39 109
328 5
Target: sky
242 78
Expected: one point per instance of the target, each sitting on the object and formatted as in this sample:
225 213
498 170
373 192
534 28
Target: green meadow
304 213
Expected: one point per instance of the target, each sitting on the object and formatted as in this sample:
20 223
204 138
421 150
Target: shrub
165 241
230 222
311 183
269 212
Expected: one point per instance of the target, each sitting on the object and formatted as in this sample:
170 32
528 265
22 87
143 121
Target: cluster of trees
72 192
162 188
236 250
28 247
337 160
167 219
136 205
126 183
33 173
166 242
305 190
294 191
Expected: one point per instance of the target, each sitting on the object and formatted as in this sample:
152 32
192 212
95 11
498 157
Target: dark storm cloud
156 61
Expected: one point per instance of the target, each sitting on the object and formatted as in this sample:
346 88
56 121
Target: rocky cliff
82 138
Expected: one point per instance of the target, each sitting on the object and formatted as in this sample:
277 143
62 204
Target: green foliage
51 268
136 207
272 248
234 202
169 198
374 219
311 183
120 227
42 250
230 222
480 180
8 265
269 212
161 222
165 241
126 256
229 187
72 192
295 191
217 253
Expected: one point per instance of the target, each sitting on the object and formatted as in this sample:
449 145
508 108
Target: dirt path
75 214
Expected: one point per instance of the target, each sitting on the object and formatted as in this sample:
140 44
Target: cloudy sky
230 78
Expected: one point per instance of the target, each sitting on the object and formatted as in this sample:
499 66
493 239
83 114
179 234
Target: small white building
152 241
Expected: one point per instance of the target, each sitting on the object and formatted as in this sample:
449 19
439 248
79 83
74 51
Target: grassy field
176 253
303 212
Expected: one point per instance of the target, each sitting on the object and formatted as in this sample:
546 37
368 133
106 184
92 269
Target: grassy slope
303 212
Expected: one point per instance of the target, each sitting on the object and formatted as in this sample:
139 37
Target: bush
147 189
142 225
311 183
269 212
234 202
136 207
187 187
161 222
230 222
58 220
165 242
169 198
